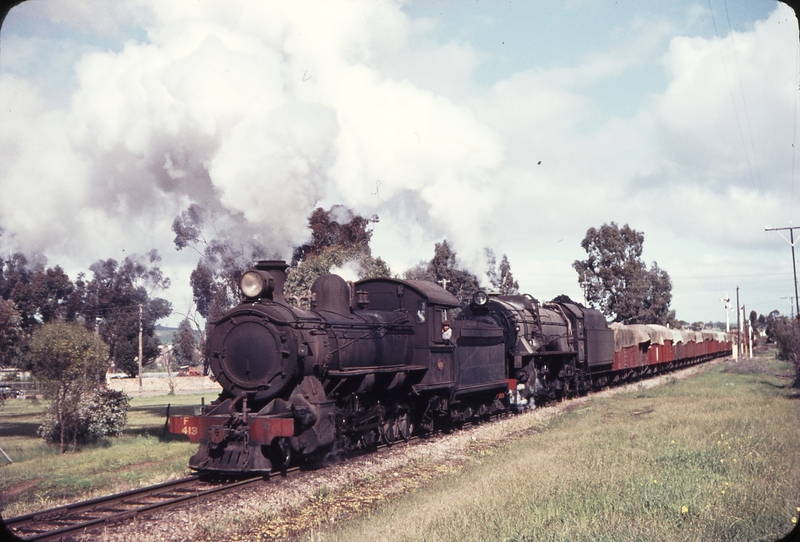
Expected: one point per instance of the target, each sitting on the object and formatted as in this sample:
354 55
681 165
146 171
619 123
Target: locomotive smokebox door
250 354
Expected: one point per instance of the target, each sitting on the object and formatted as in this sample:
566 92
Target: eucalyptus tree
120 300
500 277
445 270
616 280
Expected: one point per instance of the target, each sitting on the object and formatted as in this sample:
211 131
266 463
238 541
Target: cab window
439 316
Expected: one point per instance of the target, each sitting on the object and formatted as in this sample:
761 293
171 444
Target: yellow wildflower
684 509
794 520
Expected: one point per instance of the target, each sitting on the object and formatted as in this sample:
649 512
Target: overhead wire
735 109
760 188
115 311
744 101
794 127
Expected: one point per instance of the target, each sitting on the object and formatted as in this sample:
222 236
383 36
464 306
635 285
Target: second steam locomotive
369 364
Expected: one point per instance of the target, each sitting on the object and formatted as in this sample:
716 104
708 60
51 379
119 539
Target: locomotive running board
502 385
358 371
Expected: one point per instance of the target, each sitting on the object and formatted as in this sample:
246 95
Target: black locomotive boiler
368 363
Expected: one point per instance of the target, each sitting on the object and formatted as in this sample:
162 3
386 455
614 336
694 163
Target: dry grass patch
708 458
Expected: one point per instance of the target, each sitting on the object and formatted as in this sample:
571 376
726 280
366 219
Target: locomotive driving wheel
388 431
282 455
370 438
404 426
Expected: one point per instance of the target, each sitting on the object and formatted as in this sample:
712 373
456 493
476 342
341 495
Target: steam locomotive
369 364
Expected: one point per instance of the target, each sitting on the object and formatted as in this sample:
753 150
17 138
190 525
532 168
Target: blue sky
433 115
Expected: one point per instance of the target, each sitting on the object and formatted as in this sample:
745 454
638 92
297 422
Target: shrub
70 361
784 339
787 338
100 414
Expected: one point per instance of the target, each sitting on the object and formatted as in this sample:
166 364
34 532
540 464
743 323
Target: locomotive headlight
252 284
257 283
480 299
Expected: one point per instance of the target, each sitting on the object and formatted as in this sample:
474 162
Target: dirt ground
162 385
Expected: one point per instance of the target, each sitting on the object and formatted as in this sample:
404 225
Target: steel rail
114 508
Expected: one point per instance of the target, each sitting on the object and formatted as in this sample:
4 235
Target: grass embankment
41 478
713 457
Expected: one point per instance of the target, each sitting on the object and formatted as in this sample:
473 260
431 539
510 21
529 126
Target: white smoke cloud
260 111
348 271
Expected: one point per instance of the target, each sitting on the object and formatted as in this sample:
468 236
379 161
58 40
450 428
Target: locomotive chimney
276 268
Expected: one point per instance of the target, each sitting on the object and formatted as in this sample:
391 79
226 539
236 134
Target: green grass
40 477
713 457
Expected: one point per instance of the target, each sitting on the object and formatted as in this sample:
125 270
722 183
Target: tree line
107 303
613 277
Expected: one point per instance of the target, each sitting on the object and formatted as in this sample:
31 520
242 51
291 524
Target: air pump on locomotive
368 364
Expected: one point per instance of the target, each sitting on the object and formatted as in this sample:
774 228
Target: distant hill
165 334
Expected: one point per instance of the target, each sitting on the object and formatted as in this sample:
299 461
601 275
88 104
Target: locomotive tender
368 364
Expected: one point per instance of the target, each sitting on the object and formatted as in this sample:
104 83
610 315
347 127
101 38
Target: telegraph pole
748 332
738 326
794 265
140 347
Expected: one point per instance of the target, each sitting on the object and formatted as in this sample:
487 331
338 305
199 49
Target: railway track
61 522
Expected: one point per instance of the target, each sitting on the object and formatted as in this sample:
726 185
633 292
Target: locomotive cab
428 306
465 373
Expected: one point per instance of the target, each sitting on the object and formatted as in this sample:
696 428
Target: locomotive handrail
357 371
558 353
316 321
252 312
232 405
570 334
374 329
